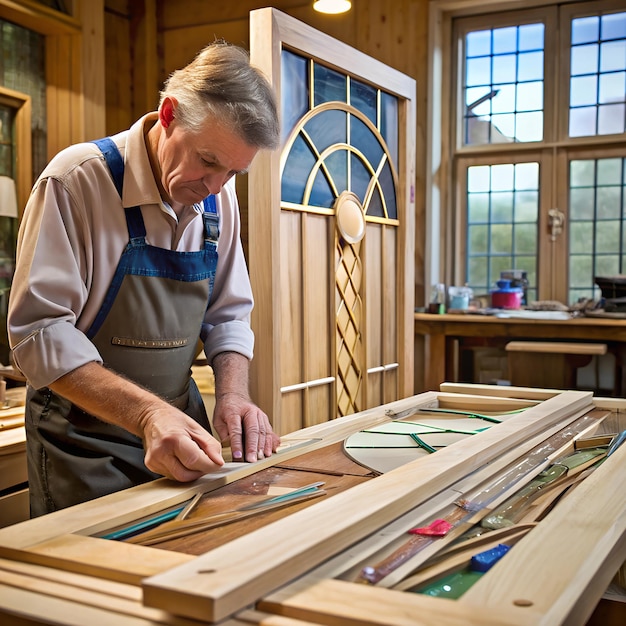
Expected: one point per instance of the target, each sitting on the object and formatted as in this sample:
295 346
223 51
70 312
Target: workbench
299 564
443 333
13 474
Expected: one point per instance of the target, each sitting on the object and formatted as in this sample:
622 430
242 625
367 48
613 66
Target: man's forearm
108 396
231 371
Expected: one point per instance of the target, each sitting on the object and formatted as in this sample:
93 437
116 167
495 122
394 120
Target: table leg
435 365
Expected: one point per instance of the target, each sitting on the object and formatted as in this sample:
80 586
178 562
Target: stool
549 364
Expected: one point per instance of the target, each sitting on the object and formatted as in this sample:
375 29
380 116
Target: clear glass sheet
598 75
502 218
596 223
504 85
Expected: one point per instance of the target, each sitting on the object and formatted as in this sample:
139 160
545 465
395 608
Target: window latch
556 220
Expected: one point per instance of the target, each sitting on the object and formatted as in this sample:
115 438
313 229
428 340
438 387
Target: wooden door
331 229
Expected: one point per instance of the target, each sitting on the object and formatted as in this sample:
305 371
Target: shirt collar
140 187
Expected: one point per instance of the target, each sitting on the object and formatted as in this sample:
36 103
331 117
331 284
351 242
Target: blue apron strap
114 160
211 220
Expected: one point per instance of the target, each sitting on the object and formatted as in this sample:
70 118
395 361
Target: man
117 278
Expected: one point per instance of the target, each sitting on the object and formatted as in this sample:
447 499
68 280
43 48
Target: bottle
438 299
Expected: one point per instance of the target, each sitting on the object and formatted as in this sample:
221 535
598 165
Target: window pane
598 75
504 70
295 90
329 85
502 219
363 98
596 222
614 26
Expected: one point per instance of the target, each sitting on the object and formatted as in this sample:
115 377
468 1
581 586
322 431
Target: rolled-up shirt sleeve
226 326
49 288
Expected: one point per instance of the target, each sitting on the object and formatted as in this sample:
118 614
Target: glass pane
502 218
582 121
526 206
327 128
598 75
363 99
504 69
6 159
360 177
609 171
375 207
389 125
530 66
606 265
581 173
328 85
583 90
613 56
502 207
614 26
298 166
477 274
321 193
611 119
612 86
477 207
581 204
581 233
389 191
362 138
337 165
478 43
584 60
609 203
596 222
585 29
294 90
525 240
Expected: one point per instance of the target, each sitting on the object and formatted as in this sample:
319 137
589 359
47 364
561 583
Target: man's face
196 164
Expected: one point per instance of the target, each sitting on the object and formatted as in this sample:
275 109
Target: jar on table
506 296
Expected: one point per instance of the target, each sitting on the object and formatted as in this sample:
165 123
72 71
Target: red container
506 297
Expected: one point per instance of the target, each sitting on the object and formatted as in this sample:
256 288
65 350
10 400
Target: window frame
445 204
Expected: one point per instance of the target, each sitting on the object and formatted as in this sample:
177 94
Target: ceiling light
332 6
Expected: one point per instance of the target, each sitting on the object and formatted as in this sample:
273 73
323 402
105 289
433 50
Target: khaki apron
147 329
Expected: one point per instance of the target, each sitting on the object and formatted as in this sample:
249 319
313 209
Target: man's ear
166 111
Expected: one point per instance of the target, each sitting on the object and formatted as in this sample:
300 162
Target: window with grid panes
539 151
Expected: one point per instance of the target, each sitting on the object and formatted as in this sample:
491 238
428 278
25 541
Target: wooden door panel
335 207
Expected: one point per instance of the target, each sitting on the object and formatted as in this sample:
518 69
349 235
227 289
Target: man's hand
242 424
177 447
236 419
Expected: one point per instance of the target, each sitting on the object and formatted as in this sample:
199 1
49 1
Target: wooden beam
38 17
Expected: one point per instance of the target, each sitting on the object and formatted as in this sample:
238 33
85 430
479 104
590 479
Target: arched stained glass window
341 135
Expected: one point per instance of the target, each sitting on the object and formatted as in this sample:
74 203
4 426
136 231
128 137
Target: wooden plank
470 402
225 579
501 391
111 560
556 347
76 597
339 602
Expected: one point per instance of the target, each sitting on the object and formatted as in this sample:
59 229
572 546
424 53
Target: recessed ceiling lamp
332 6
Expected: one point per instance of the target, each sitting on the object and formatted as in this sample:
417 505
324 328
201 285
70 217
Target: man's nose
214 182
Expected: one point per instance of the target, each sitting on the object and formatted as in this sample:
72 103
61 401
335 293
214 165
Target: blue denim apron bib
147 330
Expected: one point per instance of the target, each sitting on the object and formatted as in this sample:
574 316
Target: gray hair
220 81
